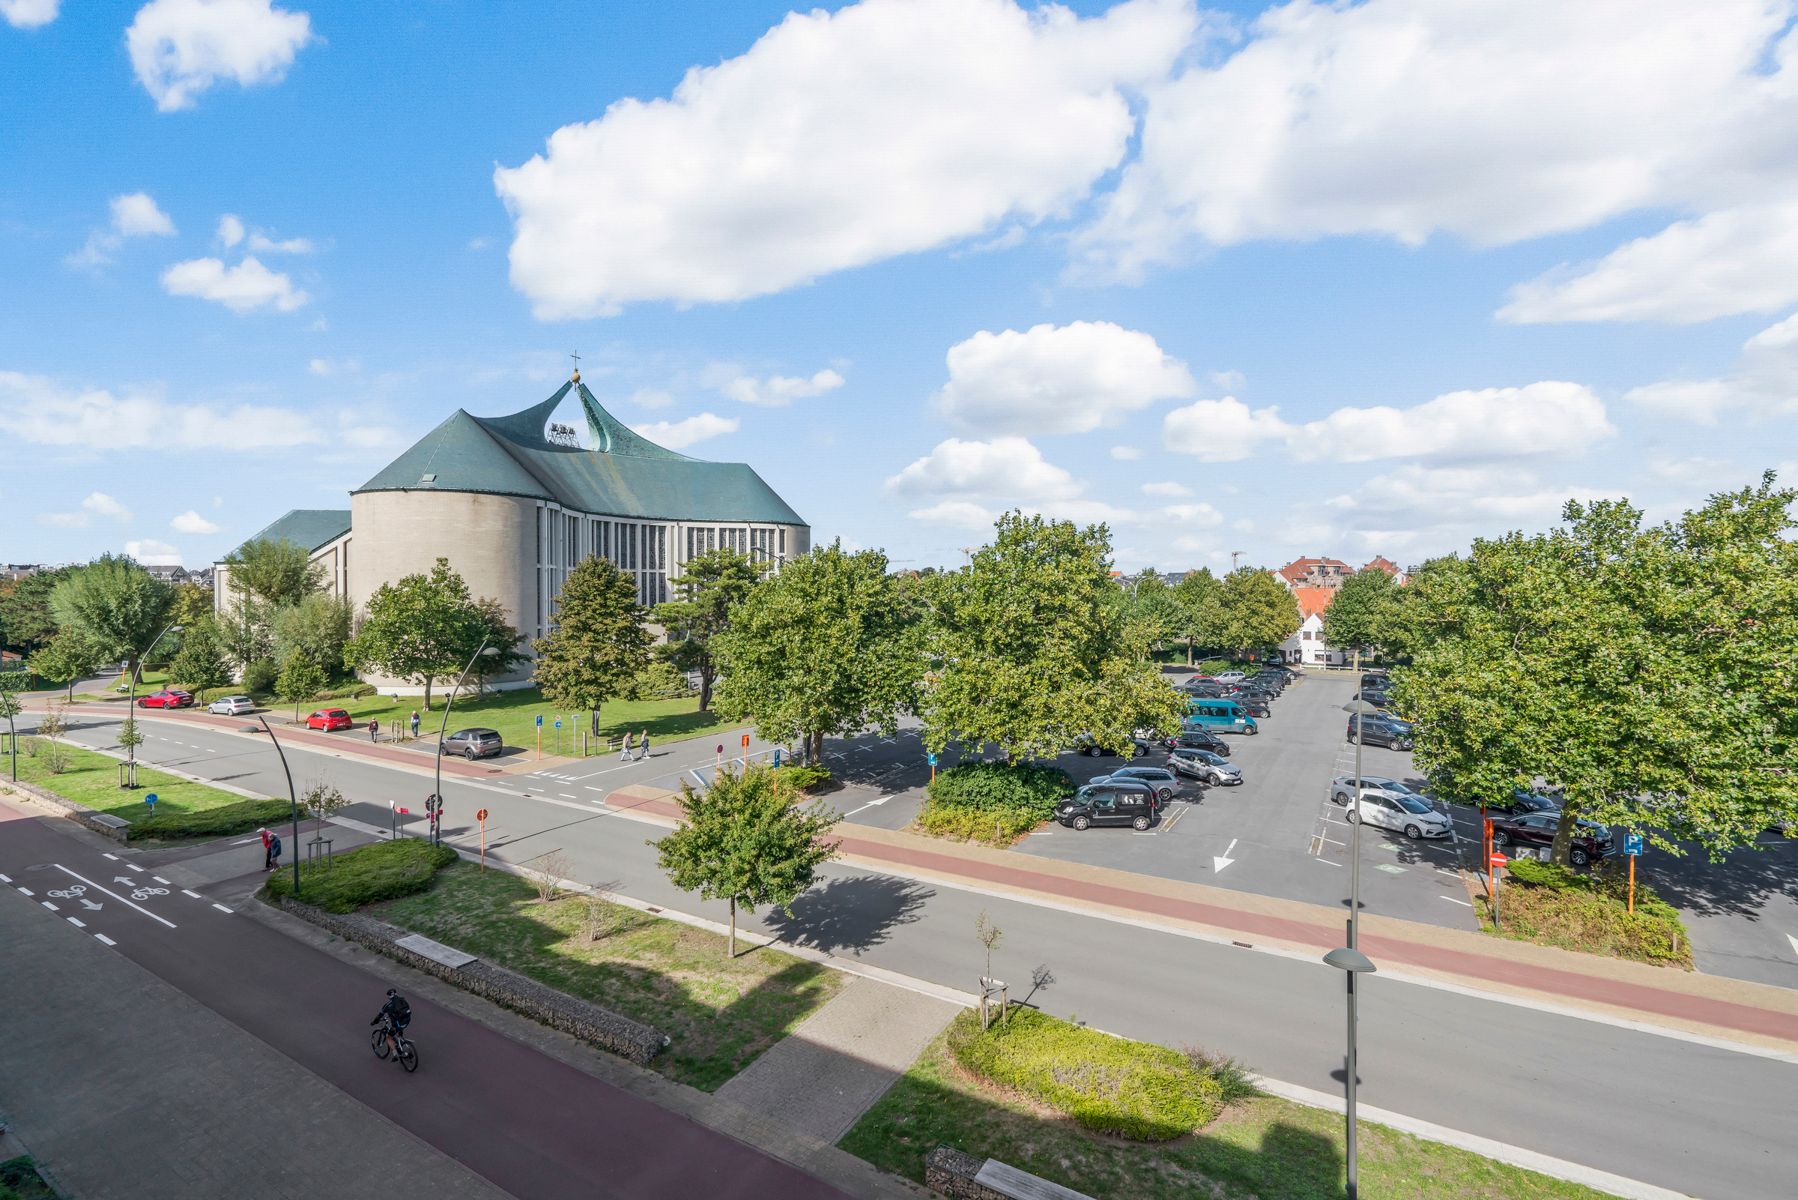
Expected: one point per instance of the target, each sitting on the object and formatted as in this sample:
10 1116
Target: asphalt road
1705 1121
532 1125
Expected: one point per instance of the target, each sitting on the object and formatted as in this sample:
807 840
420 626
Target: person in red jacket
268 849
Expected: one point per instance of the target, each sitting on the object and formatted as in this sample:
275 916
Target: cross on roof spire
577 366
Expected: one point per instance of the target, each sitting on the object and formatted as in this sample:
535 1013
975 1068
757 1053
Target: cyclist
398 1014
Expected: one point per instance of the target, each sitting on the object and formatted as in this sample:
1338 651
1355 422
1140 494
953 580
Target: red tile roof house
1314 572
1307 645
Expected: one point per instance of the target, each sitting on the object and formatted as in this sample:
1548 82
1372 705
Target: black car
1376 679
1590 839
1122 802
1196 737
474 743
1087 746
1520 802
1381 729
1255 704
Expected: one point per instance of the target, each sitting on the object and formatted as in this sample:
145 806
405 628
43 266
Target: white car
232 706
1230 677
1409 814
1342 788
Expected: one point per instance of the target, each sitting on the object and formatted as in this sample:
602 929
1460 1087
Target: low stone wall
115 828
601 1027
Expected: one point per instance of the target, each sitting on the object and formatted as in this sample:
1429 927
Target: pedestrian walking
274 851
374 730
625 756
643 745
415 724
268 854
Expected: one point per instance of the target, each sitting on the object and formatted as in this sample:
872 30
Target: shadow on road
1740 885
853 914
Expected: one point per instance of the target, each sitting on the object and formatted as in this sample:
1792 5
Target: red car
329 719
166 699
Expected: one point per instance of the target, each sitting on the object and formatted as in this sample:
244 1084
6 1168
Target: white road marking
1220 861
77 922
195 895
5 878
114 895
113 857
223 909
869 804
1326 862
25 891
1794 941
106 939
568 795
1452 900
161 880
49 906
245 842
134 867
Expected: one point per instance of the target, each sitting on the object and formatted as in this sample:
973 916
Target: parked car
1381 729
167 698
1378 697
1407 813
1087 746
1375 679
1590 839
1342 788
1164 781
1197 737
329 719
232 706
1114 802
1230 676
1205 767
473 743
1255 704
1226 715
1520 802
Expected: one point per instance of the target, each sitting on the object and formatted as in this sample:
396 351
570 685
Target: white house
1307 645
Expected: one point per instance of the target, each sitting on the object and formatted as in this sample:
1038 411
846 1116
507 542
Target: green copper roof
308 527
625 474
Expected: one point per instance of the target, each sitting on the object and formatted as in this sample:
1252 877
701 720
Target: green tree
742 841
201 663
1199 596
830 645
707 592
1646 673
1365 613
26 622
417 628
1258 611
300 680
599 644
1036 649
275 573
244 629
66 659
192 603
501 636
115 605
1153 606
318 627
11 684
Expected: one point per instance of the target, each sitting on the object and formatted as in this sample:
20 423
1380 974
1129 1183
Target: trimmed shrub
992 802
259 676
1136 1090
366 875
1551 904
805 777
222 821
660 681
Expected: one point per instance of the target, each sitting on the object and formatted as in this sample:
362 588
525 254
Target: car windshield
1390 785
1412 804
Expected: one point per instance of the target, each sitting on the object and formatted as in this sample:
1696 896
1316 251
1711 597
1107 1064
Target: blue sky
1342 281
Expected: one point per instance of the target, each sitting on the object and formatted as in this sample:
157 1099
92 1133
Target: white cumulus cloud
29 14
677 435
134 214
64 520
777 390
836 140
1126 453
152 553
100 504
1167 488
192 522
1057 378
230 230
1764 383
1225 430
180 48
261 243
243 288
1006 467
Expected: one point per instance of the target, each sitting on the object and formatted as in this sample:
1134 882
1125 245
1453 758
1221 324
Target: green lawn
515 714
147 681
1259 1149
379 871
93 779
720 1012
19 1180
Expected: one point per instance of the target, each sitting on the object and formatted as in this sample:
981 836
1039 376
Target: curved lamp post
449 701
1350 962
292 796
131 713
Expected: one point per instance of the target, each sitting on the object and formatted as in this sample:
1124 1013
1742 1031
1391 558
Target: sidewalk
1730 1010
831 1069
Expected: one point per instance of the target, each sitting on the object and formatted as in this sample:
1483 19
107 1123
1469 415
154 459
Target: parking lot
1277 834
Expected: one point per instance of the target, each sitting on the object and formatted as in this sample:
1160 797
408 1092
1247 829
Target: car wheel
1413 832
1351 737
1251 731
1500 838
1139 824
1578 857
1402 744
1082 823
1354 818
469 754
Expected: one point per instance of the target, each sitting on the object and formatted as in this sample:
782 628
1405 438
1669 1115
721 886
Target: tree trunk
1189 652
593 717
427 693
733 927
818 748
706 676
1563 837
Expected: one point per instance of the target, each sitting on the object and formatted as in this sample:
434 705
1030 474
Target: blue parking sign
558 722
150 799
540 720
1632 844
933 760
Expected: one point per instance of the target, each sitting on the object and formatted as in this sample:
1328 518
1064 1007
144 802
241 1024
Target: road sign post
539 737
482 818
1495 863
404 812
150 799
1632 846
746 750
932 758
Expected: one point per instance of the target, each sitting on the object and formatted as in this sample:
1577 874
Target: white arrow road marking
1794 941
869 804
1220 861
114 895
130 883
90 905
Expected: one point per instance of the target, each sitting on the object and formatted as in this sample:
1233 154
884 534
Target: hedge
992 802
1136 1090
1551 904
382 871
804 777
222 821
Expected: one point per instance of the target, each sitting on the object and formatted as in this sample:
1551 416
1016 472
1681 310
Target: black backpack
402 1012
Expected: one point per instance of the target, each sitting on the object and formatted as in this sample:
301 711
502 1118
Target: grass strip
92 779
365 875
720 1012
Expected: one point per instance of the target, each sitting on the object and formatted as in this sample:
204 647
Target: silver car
232 706
1342 788
1205 766
1164 781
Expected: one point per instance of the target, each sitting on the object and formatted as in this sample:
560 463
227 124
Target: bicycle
378 1042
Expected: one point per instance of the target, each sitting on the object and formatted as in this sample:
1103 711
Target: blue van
1223 715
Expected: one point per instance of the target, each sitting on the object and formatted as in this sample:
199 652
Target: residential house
1307 646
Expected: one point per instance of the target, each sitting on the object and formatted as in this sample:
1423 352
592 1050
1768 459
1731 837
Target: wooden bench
966 1177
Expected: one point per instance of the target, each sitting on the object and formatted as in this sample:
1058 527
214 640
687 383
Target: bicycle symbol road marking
144 893
69 893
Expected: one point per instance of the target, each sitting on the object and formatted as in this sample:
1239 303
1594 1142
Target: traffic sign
1632 844
1499 860
558 722
404 812
540 721
481 816
932 759
150 799
746 743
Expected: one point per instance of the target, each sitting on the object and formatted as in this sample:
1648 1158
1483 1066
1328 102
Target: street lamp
485 651
131 712
293 797
1350 962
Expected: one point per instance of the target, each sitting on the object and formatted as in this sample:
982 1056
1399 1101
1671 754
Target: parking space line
1452 900
1326 862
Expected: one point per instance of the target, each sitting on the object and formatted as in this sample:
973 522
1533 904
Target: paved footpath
825 1074
528 1123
